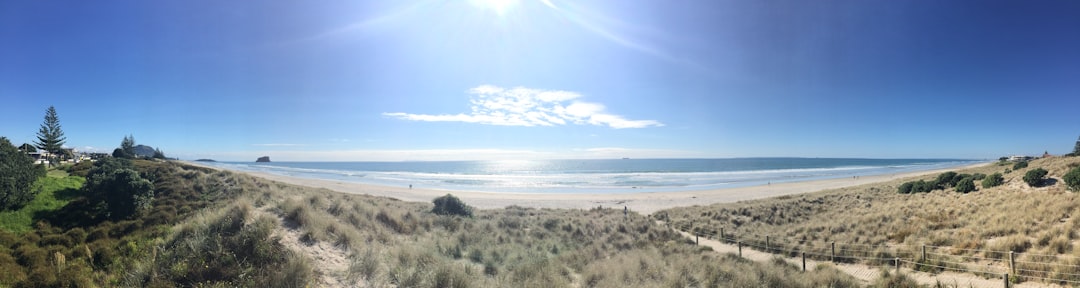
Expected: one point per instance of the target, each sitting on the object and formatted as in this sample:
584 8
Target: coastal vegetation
215 228
17 175
1007 214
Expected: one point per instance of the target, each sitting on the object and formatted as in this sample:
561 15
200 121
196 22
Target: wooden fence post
924 253
803 261
833 258
1006 277
740 249
897 262
722 235
766 243
1012 262
696 241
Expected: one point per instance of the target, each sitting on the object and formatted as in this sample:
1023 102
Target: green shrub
1072 179
450 205
993 180
115 184
965 185
922 186
947 179
1020 165
978 176
17 175
905 188
1035 177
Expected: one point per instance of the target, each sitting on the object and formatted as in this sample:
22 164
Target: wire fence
1016 267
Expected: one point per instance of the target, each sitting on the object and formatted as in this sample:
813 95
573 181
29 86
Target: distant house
1020 158
1046 154
40 157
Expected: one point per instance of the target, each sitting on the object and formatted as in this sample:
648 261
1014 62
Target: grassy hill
221 229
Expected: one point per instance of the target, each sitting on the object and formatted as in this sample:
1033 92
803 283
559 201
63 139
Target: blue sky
510 79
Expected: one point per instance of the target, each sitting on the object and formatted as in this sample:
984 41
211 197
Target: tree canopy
17 176
50 136
127 148
116 184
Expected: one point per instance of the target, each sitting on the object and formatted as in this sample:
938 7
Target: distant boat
625 158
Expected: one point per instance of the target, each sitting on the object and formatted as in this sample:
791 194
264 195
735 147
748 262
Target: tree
127 148
128 145
17 176
158 154
1035 177
119 188
450 205
993 180
50 136
1072 179
1076 149
965 185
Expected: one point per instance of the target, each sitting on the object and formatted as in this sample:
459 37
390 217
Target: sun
500 7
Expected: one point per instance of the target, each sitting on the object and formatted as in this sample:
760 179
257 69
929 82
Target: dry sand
641 202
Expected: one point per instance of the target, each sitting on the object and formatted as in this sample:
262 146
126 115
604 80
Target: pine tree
1076 149
50 136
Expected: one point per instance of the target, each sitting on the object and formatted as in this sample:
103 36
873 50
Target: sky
546 79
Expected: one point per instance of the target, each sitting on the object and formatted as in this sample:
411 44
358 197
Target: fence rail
927 258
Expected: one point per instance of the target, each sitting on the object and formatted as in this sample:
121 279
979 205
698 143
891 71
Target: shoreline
641 202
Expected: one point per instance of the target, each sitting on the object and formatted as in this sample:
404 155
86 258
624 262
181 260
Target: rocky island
263 159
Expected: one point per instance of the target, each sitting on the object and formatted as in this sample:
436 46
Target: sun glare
498 6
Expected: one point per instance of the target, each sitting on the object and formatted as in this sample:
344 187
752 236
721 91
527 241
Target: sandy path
868 274
642 202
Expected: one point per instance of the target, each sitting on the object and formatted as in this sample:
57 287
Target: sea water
595 176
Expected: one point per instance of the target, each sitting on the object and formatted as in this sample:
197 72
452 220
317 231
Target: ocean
594 176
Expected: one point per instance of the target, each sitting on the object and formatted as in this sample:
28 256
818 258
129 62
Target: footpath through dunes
1026 231
865 273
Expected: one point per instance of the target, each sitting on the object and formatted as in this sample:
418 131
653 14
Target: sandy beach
644 203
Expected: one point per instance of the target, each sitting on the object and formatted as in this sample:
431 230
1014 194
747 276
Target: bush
1035 177
978 176
450 205
923 186
1072 179
1020 165
17 175
947 179
114 183
965 185
993 180
906 188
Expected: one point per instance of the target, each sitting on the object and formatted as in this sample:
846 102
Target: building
1019 158
40 157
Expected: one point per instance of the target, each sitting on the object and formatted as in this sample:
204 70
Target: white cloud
522 106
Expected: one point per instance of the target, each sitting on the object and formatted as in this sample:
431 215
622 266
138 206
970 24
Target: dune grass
211 228
980 226
404 244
